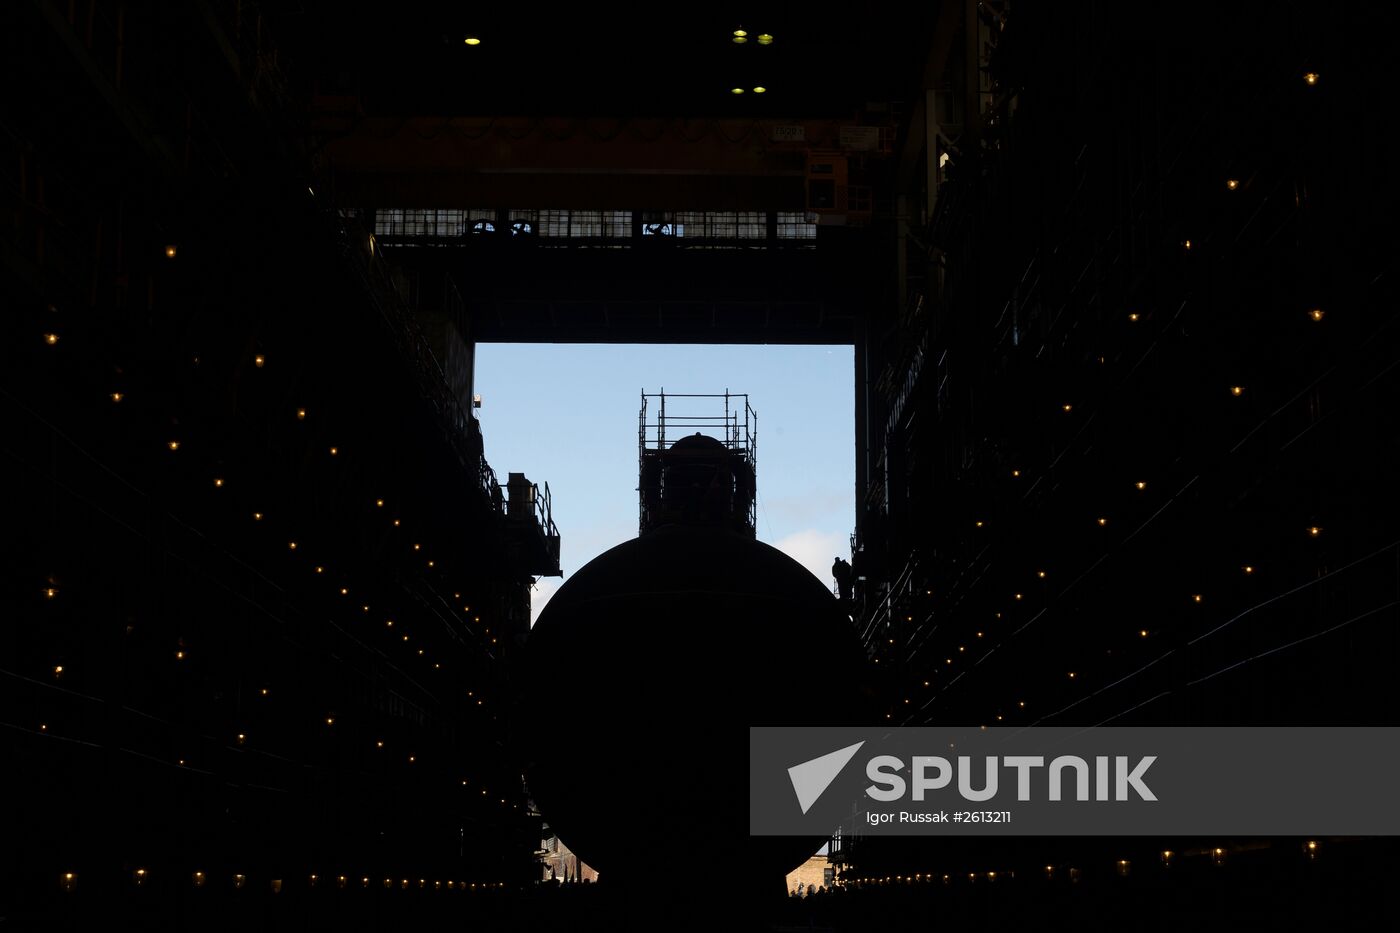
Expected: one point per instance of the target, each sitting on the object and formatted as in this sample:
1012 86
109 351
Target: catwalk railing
556 229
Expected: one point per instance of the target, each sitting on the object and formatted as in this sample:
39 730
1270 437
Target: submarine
669 647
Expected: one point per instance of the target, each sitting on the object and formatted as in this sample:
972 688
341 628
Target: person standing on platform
842 572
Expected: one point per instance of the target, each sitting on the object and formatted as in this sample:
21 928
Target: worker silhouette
842 572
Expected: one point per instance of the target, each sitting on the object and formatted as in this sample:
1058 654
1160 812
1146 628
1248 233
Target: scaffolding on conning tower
697 468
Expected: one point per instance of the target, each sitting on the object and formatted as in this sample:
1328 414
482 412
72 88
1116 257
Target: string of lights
960 598
203 595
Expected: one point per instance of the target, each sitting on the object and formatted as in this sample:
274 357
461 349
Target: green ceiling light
740 36
760 90
472 40
765 39
736 90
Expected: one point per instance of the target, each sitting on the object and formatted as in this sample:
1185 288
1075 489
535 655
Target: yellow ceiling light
765 39
472 40
736 90
760 90
1310 78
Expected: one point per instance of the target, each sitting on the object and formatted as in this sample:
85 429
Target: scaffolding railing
736 426
539 504
730 420
880 622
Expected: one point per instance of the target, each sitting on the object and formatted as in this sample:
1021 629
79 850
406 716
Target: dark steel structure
1120 285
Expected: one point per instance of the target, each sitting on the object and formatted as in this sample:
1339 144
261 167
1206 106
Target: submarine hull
645 671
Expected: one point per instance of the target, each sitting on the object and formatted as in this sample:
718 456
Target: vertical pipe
121 42
39 220
862 424
931 153
972 112
901 258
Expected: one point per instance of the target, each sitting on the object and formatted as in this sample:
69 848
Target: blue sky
566 414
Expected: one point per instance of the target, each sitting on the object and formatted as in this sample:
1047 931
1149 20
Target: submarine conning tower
696 462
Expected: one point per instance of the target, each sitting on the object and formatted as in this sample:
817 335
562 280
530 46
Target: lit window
751 225
523 222
585 223
617 223
397 222
554 223
693 224
793 225
722 225
388 222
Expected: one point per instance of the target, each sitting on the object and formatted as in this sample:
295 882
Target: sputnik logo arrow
811 778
